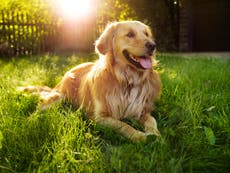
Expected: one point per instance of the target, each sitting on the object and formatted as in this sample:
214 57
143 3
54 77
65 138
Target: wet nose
150 46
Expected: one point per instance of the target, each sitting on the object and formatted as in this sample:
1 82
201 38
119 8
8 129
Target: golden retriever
121 84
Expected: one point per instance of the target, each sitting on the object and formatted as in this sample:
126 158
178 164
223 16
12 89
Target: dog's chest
128 101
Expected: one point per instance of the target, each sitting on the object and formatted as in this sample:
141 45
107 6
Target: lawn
193 116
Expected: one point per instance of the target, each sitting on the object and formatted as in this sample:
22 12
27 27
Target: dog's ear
104 43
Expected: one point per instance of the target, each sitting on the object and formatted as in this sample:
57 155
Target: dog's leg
47 95
150 124
34 89
48 98
123 128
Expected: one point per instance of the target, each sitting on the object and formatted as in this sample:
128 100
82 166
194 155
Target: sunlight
73 9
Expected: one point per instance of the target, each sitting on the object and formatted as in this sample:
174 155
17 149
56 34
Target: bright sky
73 9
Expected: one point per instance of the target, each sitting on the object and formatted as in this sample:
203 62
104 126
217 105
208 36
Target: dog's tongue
146 63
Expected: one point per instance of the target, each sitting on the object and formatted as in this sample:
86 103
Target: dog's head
130 42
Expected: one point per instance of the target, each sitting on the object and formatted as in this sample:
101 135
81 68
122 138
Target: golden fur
114 87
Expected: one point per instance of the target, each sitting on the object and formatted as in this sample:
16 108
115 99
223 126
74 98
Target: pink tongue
146 63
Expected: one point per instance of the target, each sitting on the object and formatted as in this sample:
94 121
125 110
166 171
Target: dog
121 84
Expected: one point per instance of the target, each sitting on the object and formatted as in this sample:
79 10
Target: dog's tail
46 94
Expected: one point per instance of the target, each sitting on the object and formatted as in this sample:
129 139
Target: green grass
192 115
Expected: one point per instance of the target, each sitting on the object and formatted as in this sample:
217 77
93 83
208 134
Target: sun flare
75 8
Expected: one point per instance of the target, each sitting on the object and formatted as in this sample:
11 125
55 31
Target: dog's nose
150 46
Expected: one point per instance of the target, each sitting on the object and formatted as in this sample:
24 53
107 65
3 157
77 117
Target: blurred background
29 27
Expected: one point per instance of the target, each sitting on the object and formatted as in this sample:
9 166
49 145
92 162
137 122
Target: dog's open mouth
143 62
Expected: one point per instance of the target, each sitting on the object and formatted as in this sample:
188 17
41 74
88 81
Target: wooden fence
21 34
25 34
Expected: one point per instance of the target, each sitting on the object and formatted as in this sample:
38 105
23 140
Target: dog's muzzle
142 62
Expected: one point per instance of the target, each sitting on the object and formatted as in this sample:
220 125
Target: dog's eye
130 34
146 34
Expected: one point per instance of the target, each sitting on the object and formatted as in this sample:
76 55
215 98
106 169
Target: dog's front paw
138 136
153 131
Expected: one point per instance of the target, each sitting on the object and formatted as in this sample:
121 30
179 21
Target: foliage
37 8
110 10
192 115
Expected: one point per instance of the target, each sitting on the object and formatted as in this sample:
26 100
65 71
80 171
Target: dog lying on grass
121 84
